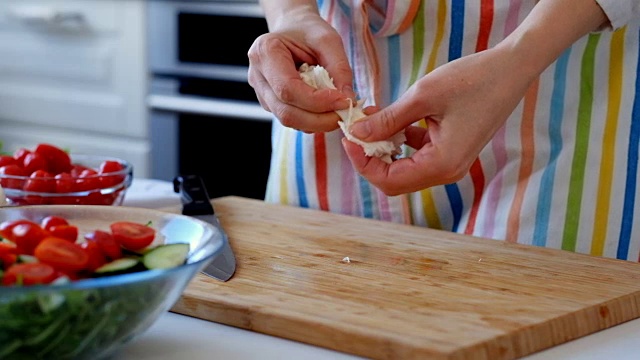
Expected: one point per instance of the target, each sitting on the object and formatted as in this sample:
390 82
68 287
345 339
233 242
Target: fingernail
348 90
341 104
361 129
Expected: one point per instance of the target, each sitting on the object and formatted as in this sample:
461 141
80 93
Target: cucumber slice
22 258
166 256
119 266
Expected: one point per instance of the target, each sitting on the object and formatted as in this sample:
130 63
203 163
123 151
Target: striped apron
561 173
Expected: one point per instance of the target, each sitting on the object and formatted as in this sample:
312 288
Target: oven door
226 141
205 39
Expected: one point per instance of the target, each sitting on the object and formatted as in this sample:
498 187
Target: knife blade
196 203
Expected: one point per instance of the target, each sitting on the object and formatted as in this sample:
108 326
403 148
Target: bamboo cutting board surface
406 292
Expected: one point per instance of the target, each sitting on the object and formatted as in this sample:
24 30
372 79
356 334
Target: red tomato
53 220
65 183
20 153
57 159
8 248
88 180
108 245
7 160
109 167
40 181
7 260
33 162
131 235
14 170
62 254
26 236
30 273
96 257
6 227
77 169
67 232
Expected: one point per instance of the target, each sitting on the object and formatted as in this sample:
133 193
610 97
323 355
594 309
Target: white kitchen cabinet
74 73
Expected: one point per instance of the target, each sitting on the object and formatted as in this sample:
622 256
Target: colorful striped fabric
561 173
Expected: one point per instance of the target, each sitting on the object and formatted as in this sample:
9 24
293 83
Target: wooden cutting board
405 292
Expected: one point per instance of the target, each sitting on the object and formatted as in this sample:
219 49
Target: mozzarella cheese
318 77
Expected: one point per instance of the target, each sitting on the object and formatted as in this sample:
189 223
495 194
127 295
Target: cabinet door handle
45 15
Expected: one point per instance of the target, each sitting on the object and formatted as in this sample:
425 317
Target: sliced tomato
62 254
67 232
132 235
107 244
6 260
25 234
96 256
8 248
57 159
29 274
7 226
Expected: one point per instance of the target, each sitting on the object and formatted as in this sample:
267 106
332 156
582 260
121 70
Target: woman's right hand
299 36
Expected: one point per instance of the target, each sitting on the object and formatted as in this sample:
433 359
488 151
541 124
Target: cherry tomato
67 232
8 248
7 160
57 159
26 236
88 180
30 273
65 183
20 153
107 244
33 162
110 167
62 254
96 256
14 170
7 260
40 181
6 227
131 235
53 220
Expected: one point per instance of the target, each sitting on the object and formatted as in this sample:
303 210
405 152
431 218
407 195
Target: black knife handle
193 195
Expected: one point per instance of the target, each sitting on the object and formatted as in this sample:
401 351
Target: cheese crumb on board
318 77
346 259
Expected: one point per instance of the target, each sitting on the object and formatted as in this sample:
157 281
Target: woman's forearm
278 12
550 28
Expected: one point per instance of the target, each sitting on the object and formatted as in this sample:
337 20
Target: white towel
318 77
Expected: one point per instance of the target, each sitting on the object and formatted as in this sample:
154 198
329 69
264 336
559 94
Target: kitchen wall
74 73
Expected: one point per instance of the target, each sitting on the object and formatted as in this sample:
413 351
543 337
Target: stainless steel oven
205 118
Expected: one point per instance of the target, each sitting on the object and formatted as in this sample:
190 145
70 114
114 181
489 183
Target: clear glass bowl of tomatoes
48 175
55 300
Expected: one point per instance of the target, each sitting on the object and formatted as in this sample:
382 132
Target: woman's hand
466 101
297 36
463 102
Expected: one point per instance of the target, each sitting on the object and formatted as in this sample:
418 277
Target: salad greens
77 323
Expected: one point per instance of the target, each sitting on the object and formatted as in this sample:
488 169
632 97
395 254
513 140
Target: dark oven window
217 39
231 155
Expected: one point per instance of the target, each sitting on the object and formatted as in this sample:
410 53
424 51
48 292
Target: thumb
383 124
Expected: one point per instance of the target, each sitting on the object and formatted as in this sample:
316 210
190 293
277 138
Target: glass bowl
76 188
92 318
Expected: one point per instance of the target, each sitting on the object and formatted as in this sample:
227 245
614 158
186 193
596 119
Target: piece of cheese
318 77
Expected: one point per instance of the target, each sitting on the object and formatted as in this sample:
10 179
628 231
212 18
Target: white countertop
176 336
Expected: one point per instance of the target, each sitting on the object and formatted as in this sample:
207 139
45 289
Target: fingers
383 124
